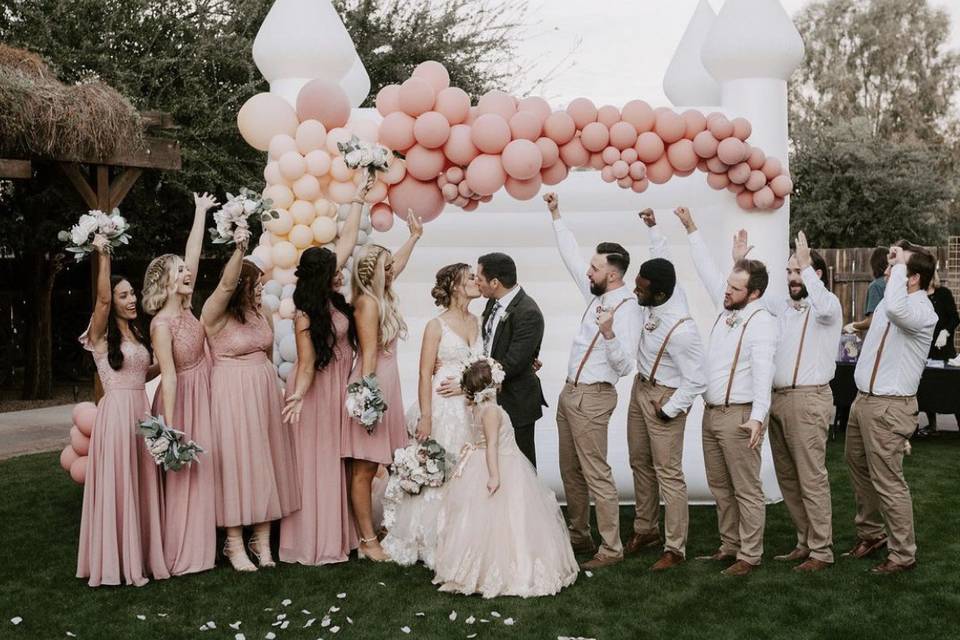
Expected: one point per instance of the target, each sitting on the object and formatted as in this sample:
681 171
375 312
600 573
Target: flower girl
500 530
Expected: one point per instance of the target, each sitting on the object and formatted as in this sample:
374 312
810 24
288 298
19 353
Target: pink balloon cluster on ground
74 456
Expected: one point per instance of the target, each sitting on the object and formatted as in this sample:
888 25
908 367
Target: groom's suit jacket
516 344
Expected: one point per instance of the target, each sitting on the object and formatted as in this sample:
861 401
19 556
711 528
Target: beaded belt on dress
246 360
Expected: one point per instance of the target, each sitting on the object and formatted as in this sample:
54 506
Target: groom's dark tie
488 329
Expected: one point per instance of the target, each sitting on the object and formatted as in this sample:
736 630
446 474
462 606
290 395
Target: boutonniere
733 320
800 305
503 318
652 323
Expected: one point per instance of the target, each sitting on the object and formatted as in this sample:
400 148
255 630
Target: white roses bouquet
365 402
80 237
166 444
236 213
358 154
420 464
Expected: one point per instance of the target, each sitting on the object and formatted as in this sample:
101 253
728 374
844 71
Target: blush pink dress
391 432
120 528
322 531
254 458
189 526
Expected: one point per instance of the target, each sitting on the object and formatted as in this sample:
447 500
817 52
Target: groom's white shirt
502 311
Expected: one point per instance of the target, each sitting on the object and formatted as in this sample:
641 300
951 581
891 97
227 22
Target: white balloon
288 348
270 301
283 328
277 360
284 370
362 237
272 288
288 290
343 212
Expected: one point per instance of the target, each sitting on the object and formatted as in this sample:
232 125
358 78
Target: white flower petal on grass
287 602
277 623
382 584
334 629
341 596
71 634
470 620
508 622
309 623
484 620
472 635
325 622
453 616
211 624
162 615
140 616
284 624
349 620
236 625
281 616
494 614
239 636
589 574
405 629
16 620
419 614
203 627
333 609
270 635
304 612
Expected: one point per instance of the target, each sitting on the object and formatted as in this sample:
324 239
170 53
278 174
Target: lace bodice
133 373
188 337
454 350
236 340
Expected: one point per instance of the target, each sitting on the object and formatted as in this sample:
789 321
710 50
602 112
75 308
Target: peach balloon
461 201
78 470
280 225
459 148
596 161
583 111
659 172
336 136
669 126
639 186
323 230
702 166
324 101
486 175
490 133
637 170
716 165
339 169
377 192
281 144
683 174
67 456
318 163
681 155
265 256
649 147
524 189
287 309
423 163
431 129
537 106
284 253
454 175
434 73
311 135
263 117
522 160
731 151
694 121
610 155
574 154
265 239
718 181
450 192
84 415
549 151
498 103
396 131
285 276
395 172
608 115
388 99
594 137
271 173
79 442
560 127
301 236
454 104
629 155
302 212
764 198
279 195
324 208
364 128
781 186
705 145
341 192
606 174
306 187
472 205
416 96
772 168
757 158
739 174
640 115
720 127
777 203
620 169
623 135
292 166
463 189
625 182
741 128
382 219
554 174
424 198
745 200
525 125
756 181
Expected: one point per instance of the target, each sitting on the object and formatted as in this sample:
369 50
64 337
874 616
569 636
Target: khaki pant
656 458
799 422
733 473
583 414
877 433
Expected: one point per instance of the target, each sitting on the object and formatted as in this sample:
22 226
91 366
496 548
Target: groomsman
602 353
884 413
739 367
669 377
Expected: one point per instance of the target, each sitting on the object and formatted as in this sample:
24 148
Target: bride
449 340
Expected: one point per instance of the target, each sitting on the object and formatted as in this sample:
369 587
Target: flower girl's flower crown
496 373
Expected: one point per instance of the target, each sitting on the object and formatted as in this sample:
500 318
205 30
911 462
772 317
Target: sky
624 47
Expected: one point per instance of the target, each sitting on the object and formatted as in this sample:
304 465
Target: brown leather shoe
812 564
640 541
668 560
599 562
585 548
796 554
864 548
740 568
889 566
718 556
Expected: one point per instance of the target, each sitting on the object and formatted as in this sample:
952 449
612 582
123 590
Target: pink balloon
625 183
67 456
681 155
764 198
777 203
731 151
537 106
596 161
757 158
608 115
396 131
455 175
281 144
606 174
735 188
694 121
280 195
472 205
669 126
702 166
720 127
781 186
388 99
745 200
583 112
461 201
525 125
640 115
324 101
659 172
454 104
485 175
629 155
524 189
78 470
683 174
434 73
335 137
716 165
364 128
497 102
739 174
554 174
377 192
318 163
463 189
381 217
549 151
718 181
623 135
756 181
741 128
84 416
79 442
264 116
560 127
574 154
459 148
490 133
620 169
639 186
594 137
649 147
339 170
423 163
307 187
522 160
292 166
431 129
450 192
311 135
705 145
610 155
416 96
638 170
340 192
271 173
772 168
424 198
395 172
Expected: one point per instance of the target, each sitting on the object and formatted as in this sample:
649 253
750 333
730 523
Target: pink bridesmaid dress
322 531
255 462
120 529
391 432
189 526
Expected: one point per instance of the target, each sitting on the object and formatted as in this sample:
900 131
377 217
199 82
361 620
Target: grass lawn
39 523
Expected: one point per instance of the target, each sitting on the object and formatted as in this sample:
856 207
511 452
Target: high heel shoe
233 551
260 547
377 554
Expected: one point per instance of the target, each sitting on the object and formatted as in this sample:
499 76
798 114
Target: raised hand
685 219
553 204
364 187
741 246
100 243
204 202
896 255
803 251
414 224
649 217
242 238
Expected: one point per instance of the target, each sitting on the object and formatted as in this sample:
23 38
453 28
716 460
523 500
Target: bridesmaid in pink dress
379 325
321 532
120 529
254 460
189 526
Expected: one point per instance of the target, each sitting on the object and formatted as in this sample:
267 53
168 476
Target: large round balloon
639 114
263 116
67 456
324 101
416 96
311 135
454 104
522 160
434 73
486 175
396 131
388 99
459 147
79 442
490 133
424 198
78 470
84 416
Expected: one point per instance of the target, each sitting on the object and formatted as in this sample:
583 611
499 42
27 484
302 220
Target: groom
512 333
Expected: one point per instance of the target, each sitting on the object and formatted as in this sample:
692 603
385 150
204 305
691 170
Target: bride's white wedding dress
411 520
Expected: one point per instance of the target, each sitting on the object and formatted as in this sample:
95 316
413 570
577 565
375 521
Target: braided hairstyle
369 279
448 279
161 272
315 296
114 336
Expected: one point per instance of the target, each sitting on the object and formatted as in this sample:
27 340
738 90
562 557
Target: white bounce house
736 62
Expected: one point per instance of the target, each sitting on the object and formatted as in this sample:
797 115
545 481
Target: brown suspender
663 347
736 357
803 336
593 343
876 364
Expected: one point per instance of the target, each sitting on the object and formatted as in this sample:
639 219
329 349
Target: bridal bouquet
236 213
166 444
365 402
420 464
80 237
358 154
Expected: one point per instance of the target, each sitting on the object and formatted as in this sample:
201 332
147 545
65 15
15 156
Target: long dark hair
114 337
244 296
315 295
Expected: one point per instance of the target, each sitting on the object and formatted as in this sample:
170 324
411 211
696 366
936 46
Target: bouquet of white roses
358 154
236 213
420 464
365 402
80 237
166 444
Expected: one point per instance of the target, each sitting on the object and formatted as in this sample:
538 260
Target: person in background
878 265
943 344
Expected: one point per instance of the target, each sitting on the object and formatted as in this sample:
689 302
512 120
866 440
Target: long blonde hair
161 273
369 278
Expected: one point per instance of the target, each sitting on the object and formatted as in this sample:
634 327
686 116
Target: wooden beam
157 120
79 182
121 186
16 169
157 153
103 188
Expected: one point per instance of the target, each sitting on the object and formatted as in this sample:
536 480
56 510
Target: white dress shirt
498 317
753 376
911 320
823 315
610 359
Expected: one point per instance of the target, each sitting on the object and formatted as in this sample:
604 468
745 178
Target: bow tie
799 305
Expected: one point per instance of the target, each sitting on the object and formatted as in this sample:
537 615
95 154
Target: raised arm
101 306
191 254
491 432
215 308
428 362
402 255
713 281
907 317
824 305
368 333
569 249
306 368
658 241
351 228
162 341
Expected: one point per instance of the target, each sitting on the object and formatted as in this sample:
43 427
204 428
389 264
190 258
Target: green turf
39 521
